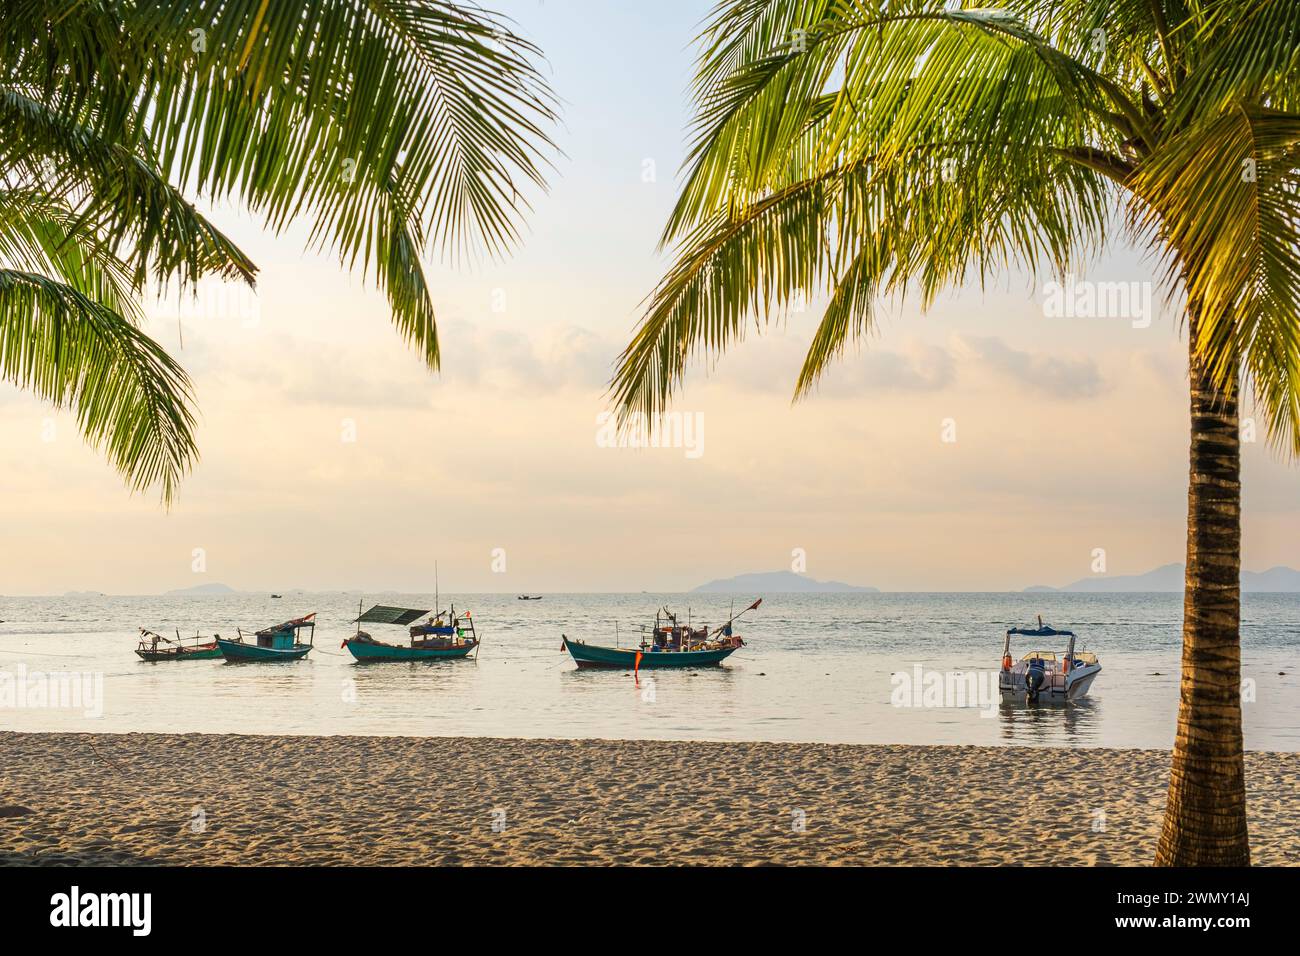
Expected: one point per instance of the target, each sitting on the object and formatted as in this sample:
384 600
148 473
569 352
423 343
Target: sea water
836 668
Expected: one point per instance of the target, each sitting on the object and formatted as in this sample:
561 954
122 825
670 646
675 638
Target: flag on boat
754 606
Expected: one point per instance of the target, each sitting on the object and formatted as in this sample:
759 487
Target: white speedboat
1042 675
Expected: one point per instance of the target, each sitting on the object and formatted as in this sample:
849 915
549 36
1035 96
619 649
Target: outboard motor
1035 676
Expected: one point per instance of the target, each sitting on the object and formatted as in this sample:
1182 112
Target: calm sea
820 667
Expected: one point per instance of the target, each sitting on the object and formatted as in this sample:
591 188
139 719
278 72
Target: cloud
772 364
552 357
387 373
1061 376
918 368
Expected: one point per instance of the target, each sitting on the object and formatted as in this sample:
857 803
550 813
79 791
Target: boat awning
382 614
1043 631
308 620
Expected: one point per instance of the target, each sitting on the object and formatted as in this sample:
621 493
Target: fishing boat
668 643
530 597
1040 675
446 635
278 643
155 647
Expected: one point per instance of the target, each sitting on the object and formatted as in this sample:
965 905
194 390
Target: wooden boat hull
369 652
202 654
238 651
617 658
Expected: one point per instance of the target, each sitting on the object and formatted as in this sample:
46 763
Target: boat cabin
670 635
284 637
276 640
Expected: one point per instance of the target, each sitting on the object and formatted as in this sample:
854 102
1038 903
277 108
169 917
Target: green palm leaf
394 127
130 398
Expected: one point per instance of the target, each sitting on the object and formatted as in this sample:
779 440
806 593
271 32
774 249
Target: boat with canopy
279 643
154 647
446 635
1040 675
669 643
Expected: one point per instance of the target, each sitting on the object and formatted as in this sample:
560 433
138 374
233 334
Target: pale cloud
1059 376
772 363
551 357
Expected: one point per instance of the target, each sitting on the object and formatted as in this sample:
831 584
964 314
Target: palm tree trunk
1205 819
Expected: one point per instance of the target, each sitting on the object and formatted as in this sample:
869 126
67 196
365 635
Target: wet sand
199 799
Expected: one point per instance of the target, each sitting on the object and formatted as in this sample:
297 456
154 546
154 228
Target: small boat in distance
668 644
445 636
154 647
530 597
275 597
278 643
1040 676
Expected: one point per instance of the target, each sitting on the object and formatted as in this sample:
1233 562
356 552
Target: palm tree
866 149
393 126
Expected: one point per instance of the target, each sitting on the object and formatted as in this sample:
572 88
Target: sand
224 799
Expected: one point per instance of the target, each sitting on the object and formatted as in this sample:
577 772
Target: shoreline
233 799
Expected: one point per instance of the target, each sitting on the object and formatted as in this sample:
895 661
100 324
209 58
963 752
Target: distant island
200 589
775 581
1169 577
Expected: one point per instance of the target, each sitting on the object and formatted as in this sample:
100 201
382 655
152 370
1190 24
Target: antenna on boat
436 608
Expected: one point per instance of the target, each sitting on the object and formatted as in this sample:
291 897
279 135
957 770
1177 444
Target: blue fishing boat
668 644
445 636
279 643
622 658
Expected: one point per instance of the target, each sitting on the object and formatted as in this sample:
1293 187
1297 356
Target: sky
990 443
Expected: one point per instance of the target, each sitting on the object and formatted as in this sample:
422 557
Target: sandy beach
222 799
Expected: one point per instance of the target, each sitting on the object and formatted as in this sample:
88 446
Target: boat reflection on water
1019 722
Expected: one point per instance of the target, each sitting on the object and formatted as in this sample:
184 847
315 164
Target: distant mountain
775 581
1169 577
1274 579
213 588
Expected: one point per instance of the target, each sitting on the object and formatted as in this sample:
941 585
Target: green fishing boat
279 643
668 644
154 647
445 636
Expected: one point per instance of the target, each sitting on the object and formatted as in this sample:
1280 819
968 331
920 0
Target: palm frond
131 400
956 143
40 233
1226 194
120 196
